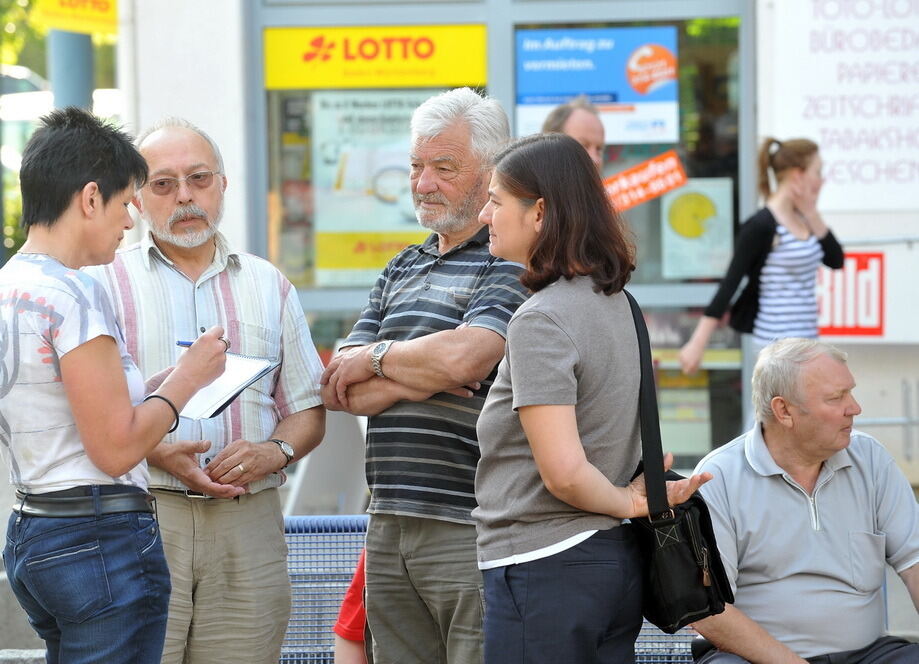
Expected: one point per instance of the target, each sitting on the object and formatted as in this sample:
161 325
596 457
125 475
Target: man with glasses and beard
215 480
419 362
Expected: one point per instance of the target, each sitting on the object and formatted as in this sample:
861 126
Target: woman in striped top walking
779 250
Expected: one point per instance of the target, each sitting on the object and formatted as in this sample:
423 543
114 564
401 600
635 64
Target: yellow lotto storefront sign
422 56
88 16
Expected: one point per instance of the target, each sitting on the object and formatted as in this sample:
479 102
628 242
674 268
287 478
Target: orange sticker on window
649 179
649 67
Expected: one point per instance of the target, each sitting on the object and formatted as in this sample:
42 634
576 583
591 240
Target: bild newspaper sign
852 301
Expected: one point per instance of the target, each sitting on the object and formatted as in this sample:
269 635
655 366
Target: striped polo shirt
421 456
787 291
157 305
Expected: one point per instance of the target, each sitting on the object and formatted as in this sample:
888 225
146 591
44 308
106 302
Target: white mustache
430 198
184 211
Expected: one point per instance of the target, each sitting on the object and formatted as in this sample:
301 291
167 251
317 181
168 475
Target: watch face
379 348
286 449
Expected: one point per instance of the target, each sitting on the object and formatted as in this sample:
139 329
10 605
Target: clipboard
240 372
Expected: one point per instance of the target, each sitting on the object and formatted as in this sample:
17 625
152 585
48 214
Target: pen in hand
188 344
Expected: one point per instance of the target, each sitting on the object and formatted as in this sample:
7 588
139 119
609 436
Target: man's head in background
579 119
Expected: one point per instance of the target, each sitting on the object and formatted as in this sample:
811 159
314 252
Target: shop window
667 94
340 100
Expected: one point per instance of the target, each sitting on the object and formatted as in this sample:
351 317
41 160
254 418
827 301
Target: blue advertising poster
630 74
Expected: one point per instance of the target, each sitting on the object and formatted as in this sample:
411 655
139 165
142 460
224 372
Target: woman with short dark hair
559 434
83 551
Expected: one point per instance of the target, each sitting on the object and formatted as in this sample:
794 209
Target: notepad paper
240 372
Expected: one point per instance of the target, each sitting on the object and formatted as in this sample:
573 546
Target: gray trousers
886 650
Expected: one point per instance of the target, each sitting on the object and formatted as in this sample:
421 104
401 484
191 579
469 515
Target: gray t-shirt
566 345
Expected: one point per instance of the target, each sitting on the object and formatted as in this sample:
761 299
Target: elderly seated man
807 512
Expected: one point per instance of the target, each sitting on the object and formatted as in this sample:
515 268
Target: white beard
187 240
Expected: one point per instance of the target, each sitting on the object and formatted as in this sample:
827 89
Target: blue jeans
581 605
95 589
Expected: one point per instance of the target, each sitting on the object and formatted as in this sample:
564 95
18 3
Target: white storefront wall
845 74
187 59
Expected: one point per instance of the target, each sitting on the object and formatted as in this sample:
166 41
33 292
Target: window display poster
364 212
685 412
630 74
696 232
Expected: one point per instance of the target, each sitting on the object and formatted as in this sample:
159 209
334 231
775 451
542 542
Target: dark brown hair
581 233
781 156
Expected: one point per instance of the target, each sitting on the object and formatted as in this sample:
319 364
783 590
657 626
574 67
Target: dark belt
80 501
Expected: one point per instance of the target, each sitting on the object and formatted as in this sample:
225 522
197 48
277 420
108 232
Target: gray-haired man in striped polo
419 362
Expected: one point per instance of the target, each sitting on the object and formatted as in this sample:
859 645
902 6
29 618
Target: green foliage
23 42
13 235
104 62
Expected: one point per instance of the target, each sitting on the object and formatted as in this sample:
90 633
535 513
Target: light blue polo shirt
809 568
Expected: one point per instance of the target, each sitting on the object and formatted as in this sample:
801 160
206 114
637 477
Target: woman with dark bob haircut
83 550
559 433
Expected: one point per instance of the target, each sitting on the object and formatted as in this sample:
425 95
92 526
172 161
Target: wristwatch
376 357
286 450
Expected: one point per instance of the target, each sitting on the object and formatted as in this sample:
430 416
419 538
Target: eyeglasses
166 186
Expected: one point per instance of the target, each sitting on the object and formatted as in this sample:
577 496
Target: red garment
351 616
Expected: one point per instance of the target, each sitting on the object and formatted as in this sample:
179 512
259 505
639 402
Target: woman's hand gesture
678 491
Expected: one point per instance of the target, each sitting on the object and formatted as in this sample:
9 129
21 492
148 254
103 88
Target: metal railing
908 240
908 421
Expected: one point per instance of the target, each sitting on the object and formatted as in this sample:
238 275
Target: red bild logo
851 300
372 48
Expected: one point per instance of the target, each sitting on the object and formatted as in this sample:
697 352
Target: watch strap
376 357
281 443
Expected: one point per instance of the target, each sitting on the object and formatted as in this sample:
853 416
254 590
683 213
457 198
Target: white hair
778 368
489 129
172 121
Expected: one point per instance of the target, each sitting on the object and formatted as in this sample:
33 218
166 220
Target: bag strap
651 449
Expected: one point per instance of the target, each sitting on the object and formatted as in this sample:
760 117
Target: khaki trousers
227 559
425 598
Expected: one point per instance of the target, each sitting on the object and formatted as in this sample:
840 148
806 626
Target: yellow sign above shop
421 56
362 251
89 16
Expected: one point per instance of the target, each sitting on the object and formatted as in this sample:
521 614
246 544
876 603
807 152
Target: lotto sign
645 181
89 16
851 300
391 56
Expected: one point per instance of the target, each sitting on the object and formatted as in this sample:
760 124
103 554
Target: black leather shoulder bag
684 579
